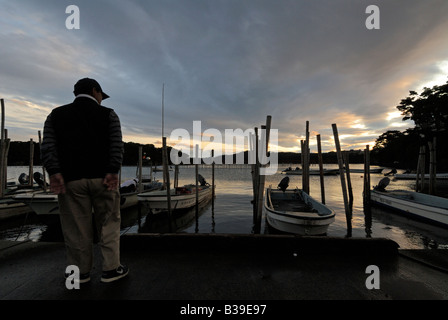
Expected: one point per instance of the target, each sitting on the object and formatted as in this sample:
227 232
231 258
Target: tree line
19 155
429 112
400 149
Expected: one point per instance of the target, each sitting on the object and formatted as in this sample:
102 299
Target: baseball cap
86 85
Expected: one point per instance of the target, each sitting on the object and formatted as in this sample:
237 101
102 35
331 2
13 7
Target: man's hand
57 184
111 181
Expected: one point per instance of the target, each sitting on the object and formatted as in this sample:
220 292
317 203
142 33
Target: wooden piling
176 176
43 168
432 166
140 168
306 169
343 183
166 175
196 170
366 175
255 180
2 151
321 169
4 155
213 183
423 169
419 181
258 178
302 162
349 181
261 179
31 167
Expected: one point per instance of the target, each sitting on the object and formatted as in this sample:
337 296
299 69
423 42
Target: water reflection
232 211
180 220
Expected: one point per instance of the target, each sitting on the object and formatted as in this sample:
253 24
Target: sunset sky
226 63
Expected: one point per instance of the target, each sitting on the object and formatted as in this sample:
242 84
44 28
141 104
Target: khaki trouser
76 220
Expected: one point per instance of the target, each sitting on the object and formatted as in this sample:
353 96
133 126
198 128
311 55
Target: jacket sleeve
116 144
49 152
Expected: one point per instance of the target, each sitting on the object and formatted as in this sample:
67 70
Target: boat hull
413 176
326 172
158 200
413 204
297 222
45 204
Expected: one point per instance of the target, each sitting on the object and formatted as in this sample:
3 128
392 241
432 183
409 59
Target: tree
429 110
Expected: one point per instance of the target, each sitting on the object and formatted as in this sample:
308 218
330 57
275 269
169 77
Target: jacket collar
82 95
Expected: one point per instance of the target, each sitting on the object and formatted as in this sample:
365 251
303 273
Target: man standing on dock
82 150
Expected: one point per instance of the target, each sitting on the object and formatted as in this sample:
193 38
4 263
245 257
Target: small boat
297 171
371 170
181 197
46 203
129 192
294 211
416 205
413 176
9 207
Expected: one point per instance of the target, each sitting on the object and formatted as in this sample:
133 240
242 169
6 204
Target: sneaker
83 278
113 275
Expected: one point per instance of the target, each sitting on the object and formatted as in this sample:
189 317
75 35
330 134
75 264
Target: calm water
232 210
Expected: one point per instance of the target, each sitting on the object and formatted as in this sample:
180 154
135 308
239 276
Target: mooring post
255 178
166 174
196 170
2 151
343 184
31 169
213 182
4 155
349 181
321 169
306 172
367 175
140 167
432 166
43 168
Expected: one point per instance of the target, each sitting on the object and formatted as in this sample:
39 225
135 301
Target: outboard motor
24 179
202 181
39 178
283 185
382 184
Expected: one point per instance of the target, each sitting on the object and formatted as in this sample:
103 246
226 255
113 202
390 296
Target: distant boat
412 204
413 176
294 211
371 170
297 171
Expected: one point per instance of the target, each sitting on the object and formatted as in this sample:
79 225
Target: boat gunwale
402 199
296 214
174 197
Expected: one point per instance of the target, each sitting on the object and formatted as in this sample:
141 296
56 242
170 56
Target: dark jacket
82 140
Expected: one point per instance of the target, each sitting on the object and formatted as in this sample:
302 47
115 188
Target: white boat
10 208
181 197
413 176
326 172
371 170
414 204
294 211
46 203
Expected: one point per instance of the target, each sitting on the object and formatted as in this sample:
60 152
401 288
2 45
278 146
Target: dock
228 267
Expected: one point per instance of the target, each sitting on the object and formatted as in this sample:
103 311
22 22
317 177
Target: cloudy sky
226 63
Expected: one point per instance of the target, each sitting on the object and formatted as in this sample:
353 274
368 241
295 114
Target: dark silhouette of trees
429 112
